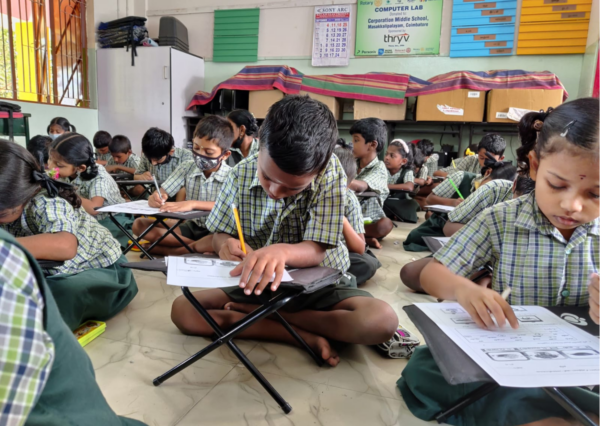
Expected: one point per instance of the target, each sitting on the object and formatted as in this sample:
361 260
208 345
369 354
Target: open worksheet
135 207
544 351
204 273
440 208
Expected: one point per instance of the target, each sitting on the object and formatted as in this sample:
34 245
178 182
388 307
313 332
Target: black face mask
238 142
167 160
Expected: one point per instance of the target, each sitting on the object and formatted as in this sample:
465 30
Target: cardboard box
455 105
365 109
332 103
500 100
259 101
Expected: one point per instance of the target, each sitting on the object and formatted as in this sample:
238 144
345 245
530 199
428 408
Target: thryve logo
395 38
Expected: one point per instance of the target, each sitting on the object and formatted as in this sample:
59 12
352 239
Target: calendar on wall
331 36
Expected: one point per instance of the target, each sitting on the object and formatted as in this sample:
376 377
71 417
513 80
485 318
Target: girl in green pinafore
398 161
72 154
48 219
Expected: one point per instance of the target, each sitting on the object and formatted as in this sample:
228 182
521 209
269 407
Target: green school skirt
320 300
432 227
95 294
402 209
125 220
426 393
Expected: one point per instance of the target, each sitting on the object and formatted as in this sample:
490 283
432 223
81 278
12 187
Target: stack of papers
439 207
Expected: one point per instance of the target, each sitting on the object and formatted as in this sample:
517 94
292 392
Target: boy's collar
371 163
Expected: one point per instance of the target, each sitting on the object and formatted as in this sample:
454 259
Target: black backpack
10 108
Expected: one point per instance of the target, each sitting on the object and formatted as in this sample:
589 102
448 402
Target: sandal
401 345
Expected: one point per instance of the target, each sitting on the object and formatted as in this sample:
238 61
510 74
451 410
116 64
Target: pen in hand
158 190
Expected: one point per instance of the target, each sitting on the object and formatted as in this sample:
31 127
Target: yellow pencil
454 165
236 213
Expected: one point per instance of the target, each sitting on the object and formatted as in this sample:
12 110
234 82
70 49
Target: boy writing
122 159
291 199
203 179
369 136
101 142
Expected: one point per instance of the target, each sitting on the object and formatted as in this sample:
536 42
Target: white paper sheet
544 351
443 240
135 207
204 273
441 207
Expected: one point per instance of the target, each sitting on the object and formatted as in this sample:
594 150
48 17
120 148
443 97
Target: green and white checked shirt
315 214
470 164
103 157
488 195
423 173
133 162
446 190
44 215
353 212
376 176
527 253
432 164
163 171
27 350
408 177
197 186
254 147
103 185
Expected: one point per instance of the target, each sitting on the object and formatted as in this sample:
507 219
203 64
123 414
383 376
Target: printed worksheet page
544 351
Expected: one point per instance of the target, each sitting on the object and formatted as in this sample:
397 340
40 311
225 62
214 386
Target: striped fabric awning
284 78
483 81
386 88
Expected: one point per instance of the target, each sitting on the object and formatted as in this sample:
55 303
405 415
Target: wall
586 83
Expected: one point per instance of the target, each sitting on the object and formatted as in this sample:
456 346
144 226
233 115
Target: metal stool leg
467 400
566 403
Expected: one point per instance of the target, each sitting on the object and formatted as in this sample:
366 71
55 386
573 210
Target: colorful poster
331 36
398 27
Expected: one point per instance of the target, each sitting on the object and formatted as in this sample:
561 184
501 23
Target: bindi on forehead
582 177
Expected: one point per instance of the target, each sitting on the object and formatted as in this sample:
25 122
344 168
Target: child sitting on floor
160 158
73 156
102 141
399 164
203 179
467 174
47 218
434 225
291 199
545 246
59 126
38 147
122 159
363 263
369 136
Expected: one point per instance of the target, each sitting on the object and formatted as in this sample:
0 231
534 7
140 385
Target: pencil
454 165
238 223
506 293
455 188
157 188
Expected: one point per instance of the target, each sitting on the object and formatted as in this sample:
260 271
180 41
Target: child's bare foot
373 242
321 347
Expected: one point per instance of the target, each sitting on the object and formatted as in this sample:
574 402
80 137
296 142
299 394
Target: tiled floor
141 343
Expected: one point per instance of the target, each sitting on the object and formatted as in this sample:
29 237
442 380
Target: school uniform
237 156
103 185
446 190
423 172
399 205
314 214
469 164
48 379
197 187
133 162
432 164
531 256
434 226
103 157
376 176
362 266
92 285
163 171
490 194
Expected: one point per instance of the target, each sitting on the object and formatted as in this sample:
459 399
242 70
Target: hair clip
567 128
538 124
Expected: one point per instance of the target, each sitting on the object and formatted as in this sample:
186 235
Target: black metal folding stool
319 277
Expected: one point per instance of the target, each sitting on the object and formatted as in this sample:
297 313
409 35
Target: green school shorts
320 300
426 393
193 231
